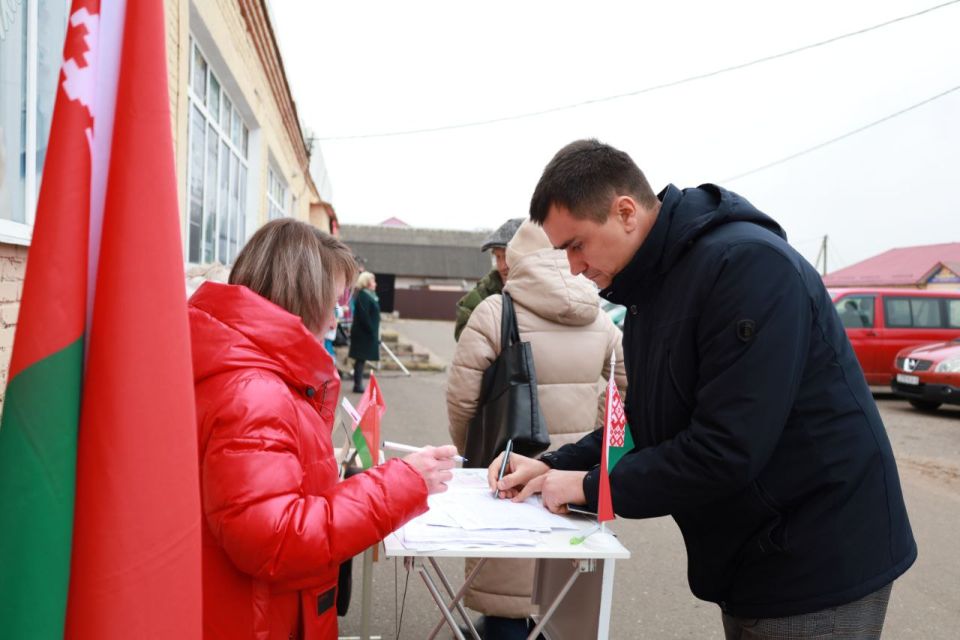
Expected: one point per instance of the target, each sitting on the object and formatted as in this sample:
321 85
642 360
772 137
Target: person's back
571 339
810 441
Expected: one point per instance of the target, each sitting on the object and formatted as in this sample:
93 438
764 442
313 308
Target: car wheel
925 405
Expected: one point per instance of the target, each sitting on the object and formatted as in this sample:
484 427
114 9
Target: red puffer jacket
277 523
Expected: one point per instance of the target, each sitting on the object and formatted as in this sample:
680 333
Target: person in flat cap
492 283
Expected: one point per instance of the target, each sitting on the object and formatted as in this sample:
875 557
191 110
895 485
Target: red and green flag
99 499
617 442
366 437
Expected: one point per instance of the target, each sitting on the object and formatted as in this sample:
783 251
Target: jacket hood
529 238
231 327
541 282
685 215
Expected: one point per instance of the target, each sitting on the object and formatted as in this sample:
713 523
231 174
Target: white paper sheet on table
468 514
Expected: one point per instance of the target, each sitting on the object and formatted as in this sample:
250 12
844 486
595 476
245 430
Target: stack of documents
467 514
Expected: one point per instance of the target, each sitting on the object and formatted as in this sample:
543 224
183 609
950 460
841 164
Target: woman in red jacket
277 523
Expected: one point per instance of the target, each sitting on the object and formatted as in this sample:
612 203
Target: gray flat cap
502 236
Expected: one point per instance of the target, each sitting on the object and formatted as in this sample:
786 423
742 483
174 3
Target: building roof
905 266
412 252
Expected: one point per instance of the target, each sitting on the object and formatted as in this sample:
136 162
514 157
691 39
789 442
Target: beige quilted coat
571 340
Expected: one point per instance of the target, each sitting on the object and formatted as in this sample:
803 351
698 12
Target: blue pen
503 465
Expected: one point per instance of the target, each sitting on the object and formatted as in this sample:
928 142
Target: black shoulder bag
508 407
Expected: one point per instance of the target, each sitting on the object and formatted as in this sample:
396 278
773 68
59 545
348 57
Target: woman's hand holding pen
434 465
520 471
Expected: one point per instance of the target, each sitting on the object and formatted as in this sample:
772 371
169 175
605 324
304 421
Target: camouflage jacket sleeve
489 285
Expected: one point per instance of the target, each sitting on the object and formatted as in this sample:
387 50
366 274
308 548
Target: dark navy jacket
753 424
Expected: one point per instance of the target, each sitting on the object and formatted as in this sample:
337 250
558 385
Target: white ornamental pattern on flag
618 420
79 72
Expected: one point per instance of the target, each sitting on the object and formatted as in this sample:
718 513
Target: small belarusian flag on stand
99 485
617 442
366 437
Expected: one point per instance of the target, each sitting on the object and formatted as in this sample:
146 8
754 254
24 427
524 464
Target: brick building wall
13 265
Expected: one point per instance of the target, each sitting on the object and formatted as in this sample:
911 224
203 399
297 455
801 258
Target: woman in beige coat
572 340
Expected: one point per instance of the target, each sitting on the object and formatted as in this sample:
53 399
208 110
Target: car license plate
903 378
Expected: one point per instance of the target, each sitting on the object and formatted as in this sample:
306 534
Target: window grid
31 73
276 196
217 168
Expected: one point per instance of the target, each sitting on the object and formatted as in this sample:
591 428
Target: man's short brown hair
294 265
584 177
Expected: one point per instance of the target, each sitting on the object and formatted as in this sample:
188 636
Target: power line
649 89
841 137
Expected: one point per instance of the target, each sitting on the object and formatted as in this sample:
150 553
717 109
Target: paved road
652 599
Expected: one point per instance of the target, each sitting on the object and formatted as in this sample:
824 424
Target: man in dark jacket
492 283
753 424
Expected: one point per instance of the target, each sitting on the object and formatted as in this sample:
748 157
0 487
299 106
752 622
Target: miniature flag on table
366 437
617 442
100 518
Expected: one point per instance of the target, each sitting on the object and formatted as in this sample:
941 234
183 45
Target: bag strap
509 333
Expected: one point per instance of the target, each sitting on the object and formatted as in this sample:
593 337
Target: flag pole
610 383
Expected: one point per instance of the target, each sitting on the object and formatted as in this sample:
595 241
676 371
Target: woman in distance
365 330
276 521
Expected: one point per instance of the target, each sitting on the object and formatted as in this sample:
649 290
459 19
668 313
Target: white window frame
21 233
277 205
243 161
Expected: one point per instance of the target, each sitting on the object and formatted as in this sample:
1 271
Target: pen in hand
503 466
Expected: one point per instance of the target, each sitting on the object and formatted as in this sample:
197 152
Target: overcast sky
360 68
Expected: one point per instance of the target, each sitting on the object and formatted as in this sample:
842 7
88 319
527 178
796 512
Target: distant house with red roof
394 222
932 266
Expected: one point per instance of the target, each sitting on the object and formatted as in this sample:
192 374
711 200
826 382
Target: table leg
432 588
583 566
457 597
606 600
367 594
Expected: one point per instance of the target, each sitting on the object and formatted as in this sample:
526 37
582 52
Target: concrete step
390 365
413 357
400 349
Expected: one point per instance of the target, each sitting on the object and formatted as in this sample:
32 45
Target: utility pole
822 256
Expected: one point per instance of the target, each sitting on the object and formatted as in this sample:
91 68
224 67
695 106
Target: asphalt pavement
651 595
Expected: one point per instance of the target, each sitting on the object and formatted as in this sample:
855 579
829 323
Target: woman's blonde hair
364 279
294 265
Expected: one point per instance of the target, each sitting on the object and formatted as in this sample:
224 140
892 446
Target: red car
929 375
881 322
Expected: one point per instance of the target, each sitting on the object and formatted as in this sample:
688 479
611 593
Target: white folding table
584 571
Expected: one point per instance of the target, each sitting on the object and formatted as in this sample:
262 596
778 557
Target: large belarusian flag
617 442
99 498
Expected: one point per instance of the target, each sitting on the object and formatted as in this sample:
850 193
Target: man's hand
557 489
434 464
520 470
